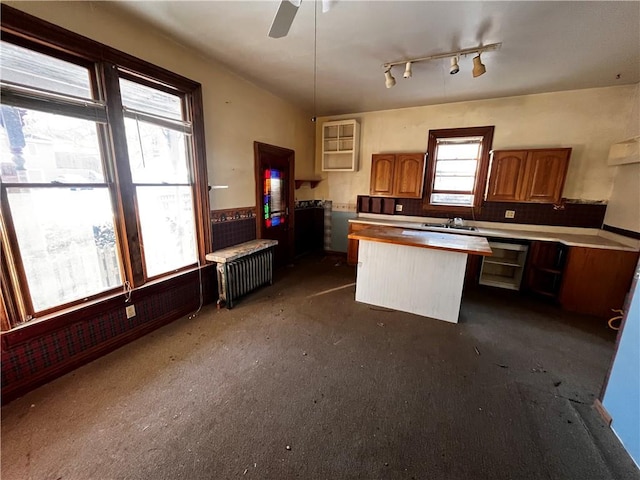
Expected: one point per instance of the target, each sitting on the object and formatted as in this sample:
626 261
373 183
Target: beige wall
237 113
589 121
623 210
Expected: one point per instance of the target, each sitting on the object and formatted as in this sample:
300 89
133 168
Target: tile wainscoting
36 353
568 214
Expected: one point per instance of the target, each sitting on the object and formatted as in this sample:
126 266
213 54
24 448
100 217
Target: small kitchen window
457 164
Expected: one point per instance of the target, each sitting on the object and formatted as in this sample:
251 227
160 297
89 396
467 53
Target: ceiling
546 46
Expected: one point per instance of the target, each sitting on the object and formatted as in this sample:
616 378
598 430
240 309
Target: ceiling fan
287 12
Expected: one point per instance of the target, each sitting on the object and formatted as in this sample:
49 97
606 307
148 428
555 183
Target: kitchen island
414 271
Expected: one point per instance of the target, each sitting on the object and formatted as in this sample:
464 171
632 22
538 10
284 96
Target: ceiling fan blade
284 18
327 4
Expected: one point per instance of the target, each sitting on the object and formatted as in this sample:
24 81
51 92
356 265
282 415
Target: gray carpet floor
291 384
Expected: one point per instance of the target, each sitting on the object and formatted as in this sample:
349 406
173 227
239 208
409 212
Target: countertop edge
373 234
511 234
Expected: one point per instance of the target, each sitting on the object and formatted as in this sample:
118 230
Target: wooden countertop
571 237
422 239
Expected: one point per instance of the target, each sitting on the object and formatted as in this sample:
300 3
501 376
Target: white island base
423 281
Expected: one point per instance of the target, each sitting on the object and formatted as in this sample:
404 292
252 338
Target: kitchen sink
452 227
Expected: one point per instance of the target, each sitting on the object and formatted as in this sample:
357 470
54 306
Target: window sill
450 209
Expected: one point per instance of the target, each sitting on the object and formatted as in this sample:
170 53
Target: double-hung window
458 160
103 176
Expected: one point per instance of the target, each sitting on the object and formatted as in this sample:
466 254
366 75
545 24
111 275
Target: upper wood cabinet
382 171
528 175
397 175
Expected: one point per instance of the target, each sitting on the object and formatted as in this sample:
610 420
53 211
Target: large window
103 178
458 160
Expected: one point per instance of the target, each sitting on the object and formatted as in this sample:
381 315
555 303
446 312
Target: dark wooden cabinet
536 176
545 267
309 230
398 175
595 281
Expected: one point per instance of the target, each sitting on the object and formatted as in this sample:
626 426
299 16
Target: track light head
478 67
389 81
407 71
454 66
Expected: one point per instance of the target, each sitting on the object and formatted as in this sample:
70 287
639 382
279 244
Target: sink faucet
455 222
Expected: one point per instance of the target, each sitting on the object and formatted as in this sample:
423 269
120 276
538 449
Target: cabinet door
597 280
507 176
545 175
408 175
382 168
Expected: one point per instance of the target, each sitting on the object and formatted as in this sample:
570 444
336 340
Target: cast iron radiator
243 268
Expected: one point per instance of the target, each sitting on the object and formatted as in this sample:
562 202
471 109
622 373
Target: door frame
259 148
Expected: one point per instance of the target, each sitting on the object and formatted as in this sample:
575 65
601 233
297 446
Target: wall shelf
313 183
340 142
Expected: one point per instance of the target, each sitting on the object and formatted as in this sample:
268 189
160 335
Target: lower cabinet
352 245
545 268
505 267
595 281
586 280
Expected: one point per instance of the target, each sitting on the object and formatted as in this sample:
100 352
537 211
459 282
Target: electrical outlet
398 208
131 311
509 214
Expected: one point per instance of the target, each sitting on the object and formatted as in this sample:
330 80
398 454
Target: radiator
243 275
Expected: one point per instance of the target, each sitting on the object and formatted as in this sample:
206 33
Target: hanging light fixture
407 71
478 66
454 68
389 81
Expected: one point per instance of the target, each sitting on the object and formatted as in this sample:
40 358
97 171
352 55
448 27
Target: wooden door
545 175
382 170
274 167
507 176
409 175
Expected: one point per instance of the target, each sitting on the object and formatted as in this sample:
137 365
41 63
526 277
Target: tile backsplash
569 214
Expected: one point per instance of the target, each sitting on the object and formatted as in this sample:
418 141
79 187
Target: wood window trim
106 65
486 133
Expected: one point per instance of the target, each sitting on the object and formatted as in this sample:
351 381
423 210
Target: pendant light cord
315 57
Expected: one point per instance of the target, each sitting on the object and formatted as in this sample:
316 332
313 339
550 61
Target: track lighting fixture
407 70
478 66
389 80
454 68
